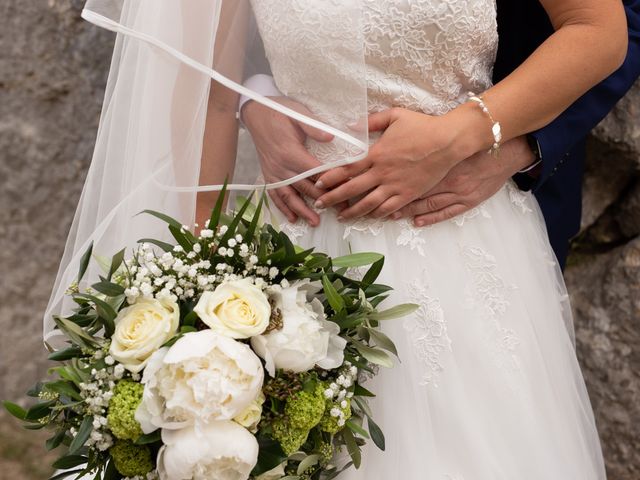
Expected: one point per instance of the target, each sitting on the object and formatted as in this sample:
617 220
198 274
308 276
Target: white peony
306 338
141 329
237 309
221 451
202 378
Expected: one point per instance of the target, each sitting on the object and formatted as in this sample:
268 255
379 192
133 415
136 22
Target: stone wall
53 68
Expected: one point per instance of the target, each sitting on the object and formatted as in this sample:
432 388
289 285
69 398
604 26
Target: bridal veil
170 59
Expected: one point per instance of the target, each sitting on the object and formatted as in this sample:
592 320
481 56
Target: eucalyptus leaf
251 231
373 273
364 406
181 237
109 289
333 297
116 261
307 463
355 428
65 474
64 388
214 220
233 225
105 311
81 437
34 426
34 391
360 391
166 247
376 433
394 312
15 410
356 260
55 441
352 447
66 354
39 410
152 437
70 461
165 218
374 355
383 341
84 262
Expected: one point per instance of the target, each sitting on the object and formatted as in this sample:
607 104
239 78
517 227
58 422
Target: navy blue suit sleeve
560 136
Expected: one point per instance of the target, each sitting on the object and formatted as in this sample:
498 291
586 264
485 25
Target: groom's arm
560 136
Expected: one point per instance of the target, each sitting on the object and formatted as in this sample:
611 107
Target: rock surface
53 69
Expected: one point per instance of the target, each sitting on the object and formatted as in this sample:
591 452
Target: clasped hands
422 167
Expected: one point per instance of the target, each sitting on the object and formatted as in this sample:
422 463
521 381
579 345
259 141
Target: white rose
274 474
237 309
202 378
306 338
251 416
142 329
221 450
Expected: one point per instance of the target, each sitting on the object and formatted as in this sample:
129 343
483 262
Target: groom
554 156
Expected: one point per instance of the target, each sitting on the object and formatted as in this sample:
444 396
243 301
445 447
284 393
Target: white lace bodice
424 55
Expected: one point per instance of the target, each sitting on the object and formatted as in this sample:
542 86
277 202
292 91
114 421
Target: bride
488 386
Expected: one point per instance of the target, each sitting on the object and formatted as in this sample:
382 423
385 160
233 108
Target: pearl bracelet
496 129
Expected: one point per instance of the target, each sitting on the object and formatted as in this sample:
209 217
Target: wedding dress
488 387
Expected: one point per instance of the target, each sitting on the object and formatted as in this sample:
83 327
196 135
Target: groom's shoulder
522 15
522 26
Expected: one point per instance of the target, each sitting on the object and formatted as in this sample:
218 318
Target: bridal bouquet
231 354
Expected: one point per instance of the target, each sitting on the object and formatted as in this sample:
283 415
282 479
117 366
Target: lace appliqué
410 236
371 226
295 230
479 211
428 330
518 198
488 297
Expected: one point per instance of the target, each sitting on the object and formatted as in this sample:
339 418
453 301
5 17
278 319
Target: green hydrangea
289 438
131 460
122 408
335 415
305 409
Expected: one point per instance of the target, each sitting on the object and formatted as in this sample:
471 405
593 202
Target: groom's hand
468 184
280 143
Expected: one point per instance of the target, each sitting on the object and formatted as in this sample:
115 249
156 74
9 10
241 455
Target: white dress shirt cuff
261 84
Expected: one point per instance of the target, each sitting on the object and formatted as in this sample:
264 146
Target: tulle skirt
488 386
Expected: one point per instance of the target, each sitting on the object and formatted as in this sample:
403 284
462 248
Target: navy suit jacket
523 25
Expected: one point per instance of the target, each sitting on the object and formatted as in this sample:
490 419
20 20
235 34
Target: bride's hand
415 152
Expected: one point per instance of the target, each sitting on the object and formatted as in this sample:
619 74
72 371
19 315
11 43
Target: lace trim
428 330
478 211
295 230
371 226
488 296
410 236
518 198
